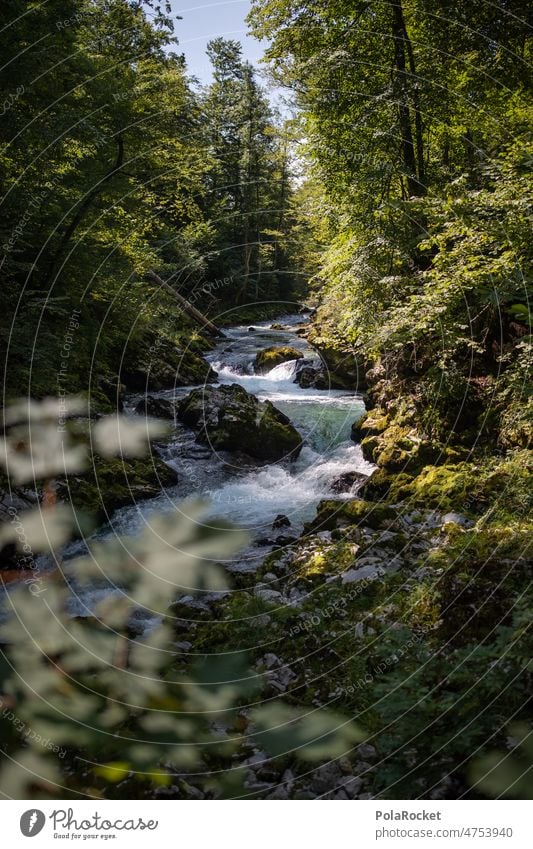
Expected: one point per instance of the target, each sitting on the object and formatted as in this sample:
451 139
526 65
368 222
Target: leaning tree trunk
187 307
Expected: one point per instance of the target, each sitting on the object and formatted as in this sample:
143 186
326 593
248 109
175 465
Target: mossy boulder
269 358
230 418
462 487
370 424
114 483
157 408
380 484
400 448
165 365
332 514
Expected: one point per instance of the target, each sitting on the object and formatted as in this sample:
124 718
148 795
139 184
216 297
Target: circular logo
32 822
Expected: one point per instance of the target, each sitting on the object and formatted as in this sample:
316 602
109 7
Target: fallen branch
187 307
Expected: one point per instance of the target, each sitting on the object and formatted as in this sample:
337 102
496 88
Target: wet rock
310 377
327 779
114 482
157 408
282 541
261 621
270 578
348 482
182 646
281 521
347 368
230 418
269 358
457 519
278 675
188 607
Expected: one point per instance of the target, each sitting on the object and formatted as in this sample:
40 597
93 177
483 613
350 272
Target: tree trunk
419 130
187 307
414 186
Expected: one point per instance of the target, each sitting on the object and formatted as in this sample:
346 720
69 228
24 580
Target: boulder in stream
348 482
230 418
310 377
269 358
157 408
281 521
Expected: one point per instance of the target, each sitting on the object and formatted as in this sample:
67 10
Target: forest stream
249 493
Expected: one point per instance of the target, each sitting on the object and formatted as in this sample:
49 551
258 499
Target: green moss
371 424
332 513
485 570
471 488
269 358
230 418
114 483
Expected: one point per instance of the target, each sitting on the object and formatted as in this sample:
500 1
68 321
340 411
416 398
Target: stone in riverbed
281 521
230 418
348 481
269 358
158 408
309 377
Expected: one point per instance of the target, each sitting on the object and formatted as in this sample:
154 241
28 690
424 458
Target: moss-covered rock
114 483
165 365
394 442
495 484
269 358
157 408
230 418
371 424
331 514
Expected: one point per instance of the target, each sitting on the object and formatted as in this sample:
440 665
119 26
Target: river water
249 493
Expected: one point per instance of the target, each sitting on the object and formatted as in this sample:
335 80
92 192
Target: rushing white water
256 499
248 493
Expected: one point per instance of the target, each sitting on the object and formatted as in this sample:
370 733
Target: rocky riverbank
405 586
387 607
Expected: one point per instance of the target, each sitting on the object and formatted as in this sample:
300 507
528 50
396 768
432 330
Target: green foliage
116 703
113 165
